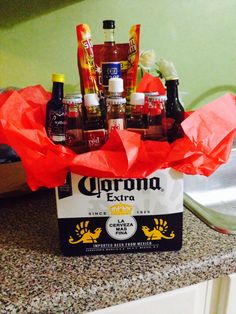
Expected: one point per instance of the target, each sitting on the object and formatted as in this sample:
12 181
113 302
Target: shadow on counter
30 222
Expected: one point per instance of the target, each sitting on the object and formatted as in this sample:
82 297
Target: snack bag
85 58
133 58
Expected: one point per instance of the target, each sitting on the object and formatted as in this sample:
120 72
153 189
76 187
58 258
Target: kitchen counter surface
36 278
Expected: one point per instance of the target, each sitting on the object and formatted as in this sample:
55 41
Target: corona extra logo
121 209
95 186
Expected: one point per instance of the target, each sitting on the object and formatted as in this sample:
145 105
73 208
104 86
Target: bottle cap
137 99
151 94
108 24
91 100
73 98
116 101
115 85
74 95
60 78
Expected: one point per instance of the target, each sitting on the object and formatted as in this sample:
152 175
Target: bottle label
110 70
95 138
58 138
116 124
56 126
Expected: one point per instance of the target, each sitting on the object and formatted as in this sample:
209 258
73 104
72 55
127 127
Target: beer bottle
109 55
94 130
116 105
55 112
56 125
174 111
137 122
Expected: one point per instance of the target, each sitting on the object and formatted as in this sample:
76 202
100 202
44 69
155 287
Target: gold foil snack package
85 59
133 59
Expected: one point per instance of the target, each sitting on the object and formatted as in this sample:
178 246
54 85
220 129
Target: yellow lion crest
158 232
84 235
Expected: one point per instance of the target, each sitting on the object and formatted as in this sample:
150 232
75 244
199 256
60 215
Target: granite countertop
36 278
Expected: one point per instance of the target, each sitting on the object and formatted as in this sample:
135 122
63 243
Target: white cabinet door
221 295
231 299
188 300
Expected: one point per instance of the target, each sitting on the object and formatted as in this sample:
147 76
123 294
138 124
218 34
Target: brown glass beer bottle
55 111
174 112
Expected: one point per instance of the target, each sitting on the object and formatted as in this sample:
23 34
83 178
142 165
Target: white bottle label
116 124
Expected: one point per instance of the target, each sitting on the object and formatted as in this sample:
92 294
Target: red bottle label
95 138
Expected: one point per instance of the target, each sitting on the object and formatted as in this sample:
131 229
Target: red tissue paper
150 83
209 134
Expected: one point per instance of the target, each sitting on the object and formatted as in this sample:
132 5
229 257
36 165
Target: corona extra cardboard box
100 215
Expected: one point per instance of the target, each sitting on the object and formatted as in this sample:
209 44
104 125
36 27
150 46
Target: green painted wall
38 38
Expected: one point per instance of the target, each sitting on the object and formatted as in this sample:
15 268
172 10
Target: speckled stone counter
36 278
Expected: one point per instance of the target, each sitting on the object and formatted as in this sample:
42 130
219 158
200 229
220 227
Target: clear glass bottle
109 55
115 87
74 125
156 114
137 120
174 112
116 113
55 111
94 130
116 105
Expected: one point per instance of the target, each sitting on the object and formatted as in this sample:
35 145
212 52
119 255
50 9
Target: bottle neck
116 101
57 90
172 89
109 35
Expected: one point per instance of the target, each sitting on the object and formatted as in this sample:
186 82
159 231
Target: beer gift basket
117 152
